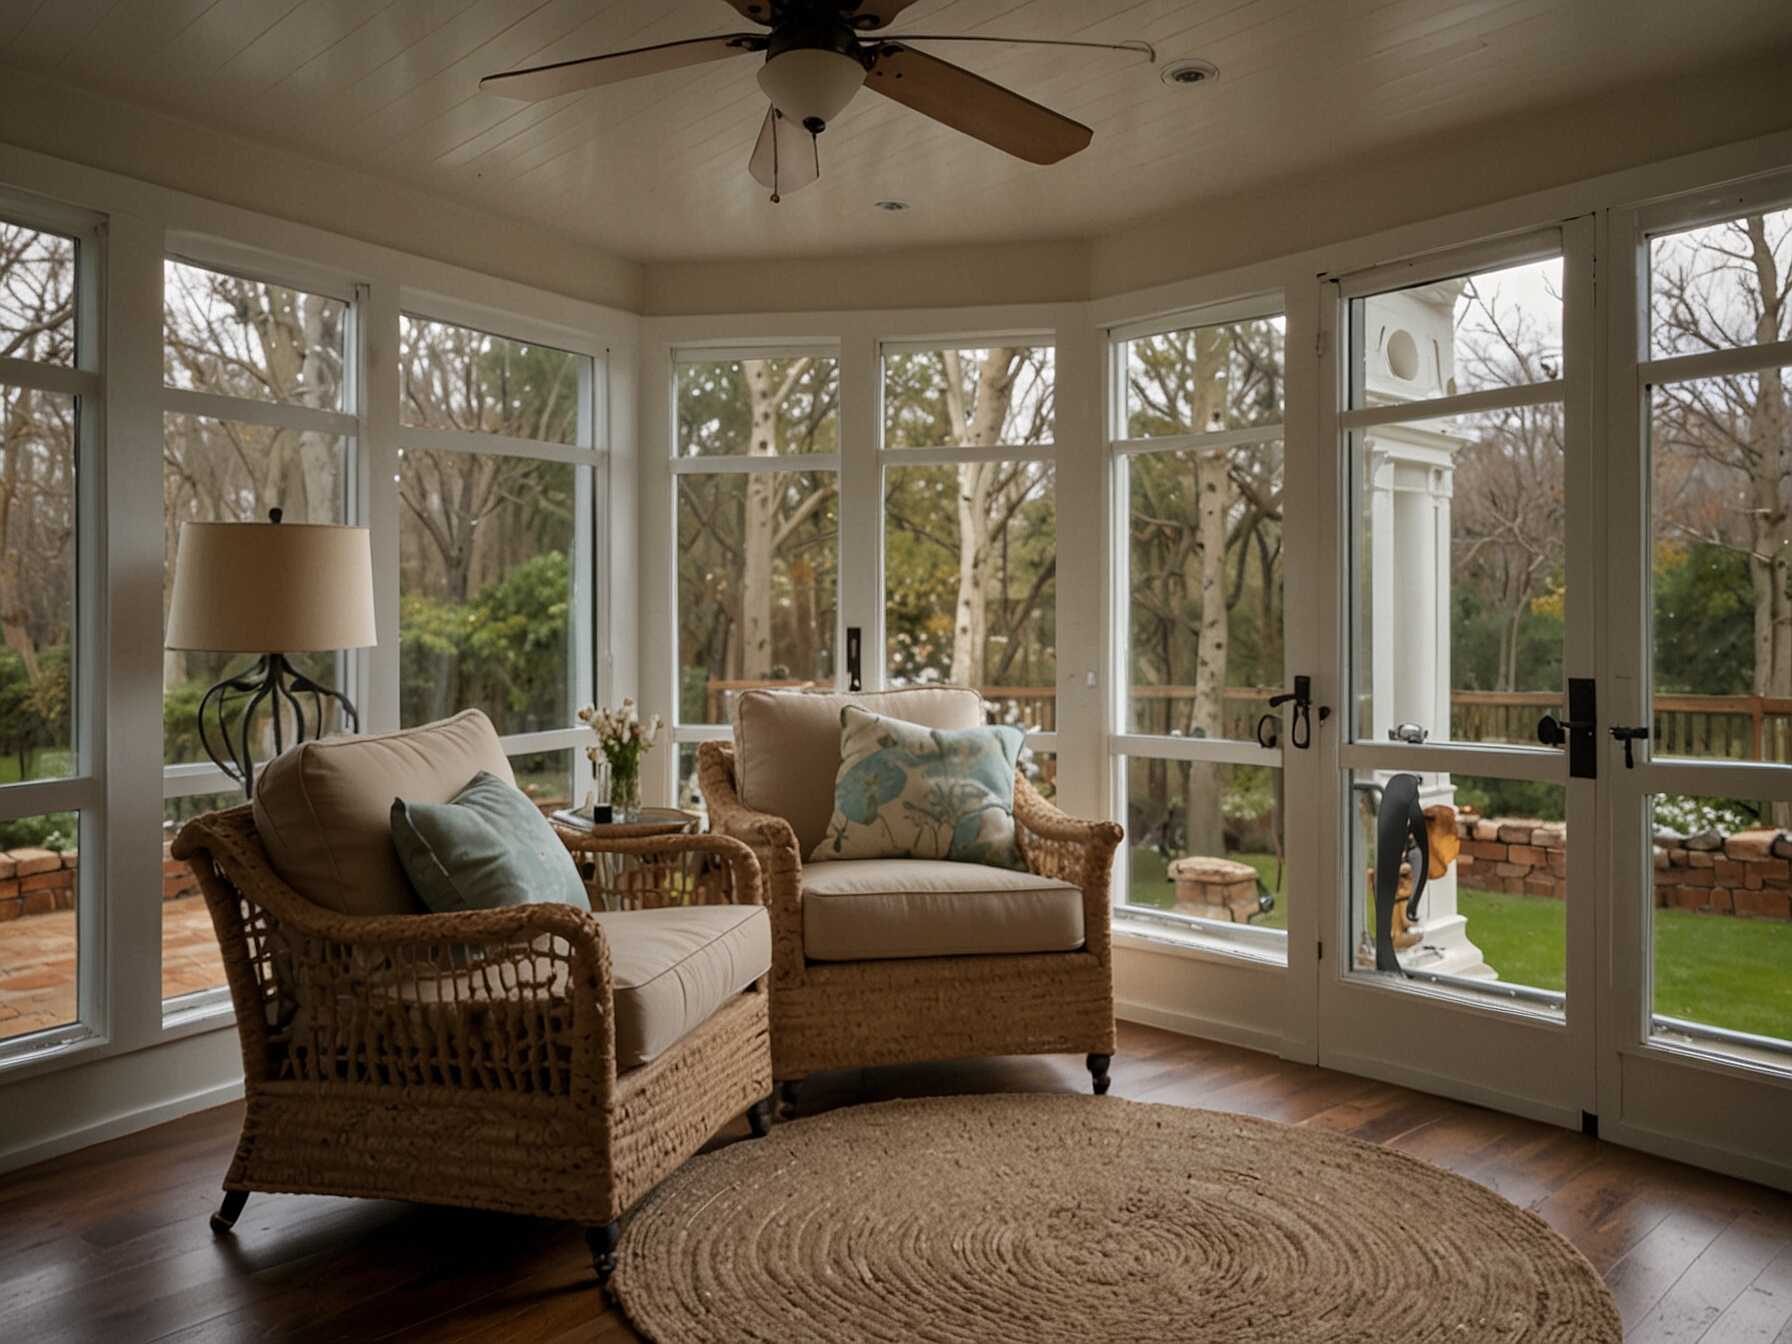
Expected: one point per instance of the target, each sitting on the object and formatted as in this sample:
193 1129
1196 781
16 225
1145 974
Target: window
970 524
258 414
1197 444
757 470
50 964
497 487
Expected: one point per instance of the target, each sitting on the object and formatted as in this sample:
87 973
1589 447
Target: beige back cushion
787 745
324 809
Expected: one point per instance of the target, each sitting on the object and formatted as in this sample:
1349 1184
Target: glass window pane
1496 909
548 778
458 378
1490 488
1041 770
1205 587
37 584
1722 571
969 398
37 296
970 591
226 471
1499 328
689 796
1722 922
1707 285
191 963
486 588
757 585
39 923
759 407
1204 839
243 338
1204 378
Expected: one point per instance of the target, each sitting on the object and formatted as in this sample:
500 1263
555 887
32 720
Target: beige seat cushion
787 745
875 909
324 809
671 969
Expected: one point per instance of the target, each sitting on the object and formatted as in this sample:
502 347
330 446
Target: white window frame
1243 941
684 734
192 779
84 790
588 453
950 456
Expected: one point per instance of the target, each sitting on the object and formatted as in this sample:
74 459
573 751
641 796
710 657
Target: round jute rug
974 1220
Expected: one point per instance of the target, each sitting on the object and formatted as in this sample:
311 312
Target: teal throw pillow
489 847
908 792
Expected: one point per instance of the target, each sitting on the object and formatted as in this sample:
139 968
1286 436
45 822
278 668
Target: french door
1467 613
1696 1042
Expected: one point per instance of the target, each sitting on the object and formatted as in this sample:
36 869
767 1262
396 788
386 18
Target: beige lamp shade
271 588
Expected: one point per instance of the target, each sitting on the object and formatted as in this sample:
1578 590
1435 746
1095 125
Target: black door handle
1553 732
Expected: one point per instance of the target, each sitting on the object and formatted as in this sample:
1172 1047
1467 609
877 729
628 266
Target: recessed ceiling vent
1186 74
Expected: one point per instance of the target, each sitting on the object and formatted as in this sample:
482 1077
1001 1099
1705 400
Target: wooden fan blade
784 160
550 81
755 11
970 103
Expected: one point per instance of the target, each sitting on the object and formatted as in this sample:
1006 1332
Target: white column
1412 473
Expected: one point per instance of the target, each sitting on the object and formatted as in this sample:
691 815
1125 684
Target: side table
636 875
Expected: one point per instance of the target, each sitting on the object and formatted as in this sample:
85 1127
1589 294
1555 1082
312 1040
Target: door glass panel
1462 589
37 295
968 398
758 558
191 962
233 337
970 588
1493 913
460 379
771 407
1722 568
1500 328
1205 589
1706 285
1204 840
1200 379
485 546
39 923
1722 922
37 585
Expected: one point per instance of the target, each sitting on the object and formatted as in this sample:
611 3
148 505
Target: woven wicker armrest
774 845
510 1000
1071 850
679 869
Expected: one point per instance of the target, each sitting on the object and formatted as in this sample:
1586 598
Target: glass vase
625 791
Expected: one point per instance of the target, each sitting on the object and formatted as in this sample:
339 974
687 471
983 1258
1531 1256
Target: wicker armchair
468 1059
842 1014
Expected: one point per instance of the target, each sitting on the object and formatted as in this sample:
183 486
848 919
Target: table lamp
270 589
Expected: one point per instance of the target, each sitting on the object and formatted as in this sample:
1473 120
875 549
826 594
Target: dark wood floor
111 1244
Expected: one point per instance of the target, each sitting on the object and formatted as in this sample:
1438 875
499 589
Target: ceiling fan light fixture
811 85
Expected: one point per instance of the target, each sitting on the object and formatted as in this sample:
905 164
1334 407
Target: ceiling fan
815 61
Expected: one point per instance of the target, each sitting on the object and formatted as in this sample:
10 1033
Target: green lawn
1714 969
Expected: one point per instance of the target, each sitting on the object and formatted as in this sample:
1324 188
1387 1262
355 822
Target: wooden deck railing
1723 727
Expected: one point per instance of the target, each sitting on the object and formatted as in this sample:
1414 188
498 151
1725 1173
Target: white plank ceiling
656 169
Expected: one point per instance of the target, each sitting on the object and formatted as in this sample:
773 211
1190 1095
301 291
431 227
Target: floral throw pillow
908 792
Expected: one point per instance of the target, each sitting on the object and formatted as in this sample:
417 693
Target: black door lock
1627 736
1578 732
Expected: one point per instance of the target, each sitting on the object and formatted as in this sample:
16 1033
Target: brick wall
41 881
1749 873
1511 854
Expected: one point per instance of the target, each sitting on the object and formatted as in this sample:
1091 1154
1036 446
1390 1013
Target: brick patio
37 963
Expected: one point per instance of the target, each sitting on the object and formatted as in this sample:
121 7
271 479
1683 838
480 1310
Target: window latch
1300 731
1627 736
